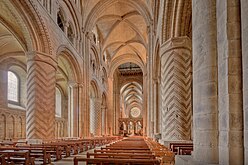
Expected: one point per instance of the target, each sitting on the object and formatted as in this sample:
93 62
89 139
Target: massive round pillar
176 81
41 80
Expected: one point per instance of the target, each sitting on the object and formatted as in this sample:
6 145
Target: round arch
124 59
65 53
94 91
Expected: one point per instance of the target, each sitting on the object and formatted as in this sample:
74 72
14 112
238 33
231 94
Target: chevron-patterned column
40 115
95 116
176 80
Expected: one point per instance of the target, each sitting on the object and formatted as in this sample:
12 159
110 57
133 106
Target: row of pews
49 150
132 150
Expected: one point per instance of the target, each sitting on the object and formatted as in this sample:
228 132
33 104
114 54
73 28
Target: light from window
12 87
58 103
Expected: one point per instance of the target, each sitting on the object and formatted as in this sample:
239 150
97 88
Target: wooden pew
39 153
121 155
102 161
123 151
65 148
54 150
163 153
17 157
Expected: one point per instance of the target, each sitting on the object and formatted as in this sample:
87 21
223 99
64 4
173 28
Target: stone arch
94 90
67 55
104 77
124 59
74 20
35 32
104 114
177 21
11 127
68 78
19 127
3 126
94 57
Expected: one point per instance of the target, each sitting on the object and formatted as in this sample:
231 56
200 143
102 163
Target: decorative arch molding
66 53
176 20
5 56
95 87
104 99
130 80
94 51
40 40
99 8
124 59
75 15
9 62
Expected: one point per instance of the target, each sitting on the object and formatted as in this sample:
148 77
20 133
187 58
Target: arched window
13 87
58 105
70 34
60 20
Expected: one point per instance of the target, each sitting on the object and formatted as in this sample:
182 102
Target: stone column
81 111
41 81
176 81
95 116
244 21
73 109
3 85
230 82
205 82
103 117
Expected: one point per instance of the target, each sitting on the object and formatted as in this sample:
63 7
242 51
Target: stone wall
12 123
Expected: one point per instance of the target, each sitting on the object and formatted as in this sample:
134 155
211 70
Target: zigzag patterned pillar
176 82
40 115
95 116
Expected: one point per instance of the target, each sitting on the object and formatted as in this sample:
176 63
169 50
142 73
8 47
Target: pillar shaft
95 116
40 115
244 21
205 82
176 83
3 85
230 82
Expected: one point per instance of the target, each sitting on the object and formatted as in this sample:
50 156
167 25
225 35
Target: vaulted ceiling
121 28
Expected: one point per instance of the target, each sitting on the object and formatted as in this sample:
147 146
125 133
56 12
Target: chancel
124 82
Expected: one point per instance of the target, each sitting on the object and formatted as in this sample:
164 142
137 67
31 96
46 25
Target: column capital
42 57
183 42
